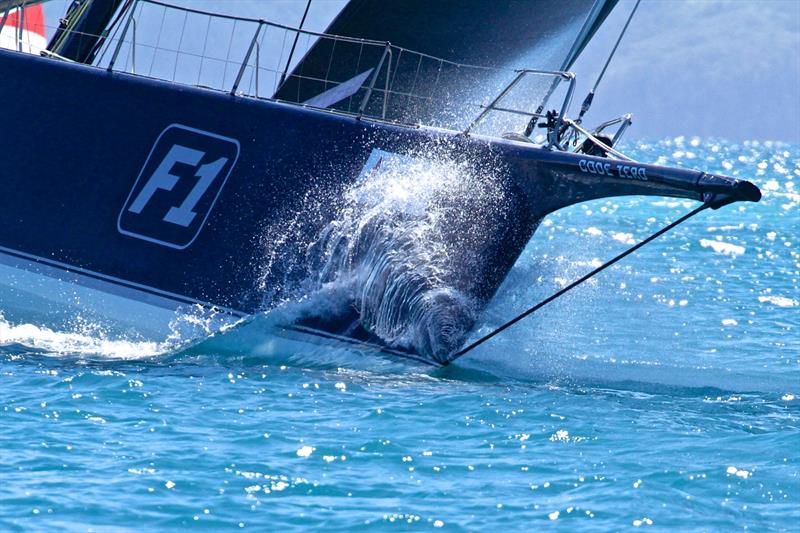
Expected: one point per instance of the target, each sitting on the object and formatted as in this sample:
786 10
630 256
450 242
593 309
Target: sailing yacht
399 162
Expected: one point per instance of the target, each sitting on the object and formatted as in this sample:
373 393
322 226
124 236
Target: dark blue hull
167 190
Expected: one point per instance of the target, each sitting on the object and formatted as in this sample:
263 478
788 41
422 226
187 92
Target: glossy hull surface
175 196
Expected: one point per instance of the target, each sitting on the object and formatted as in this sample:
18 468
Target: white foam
724 248
389 246
623 237
305 451
780 301
53 342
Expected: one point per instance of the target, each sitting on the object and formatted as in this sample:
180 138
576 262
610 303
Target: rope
574 284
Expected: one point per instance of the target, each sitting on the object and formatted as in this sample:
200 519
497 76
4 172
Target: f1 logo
178 186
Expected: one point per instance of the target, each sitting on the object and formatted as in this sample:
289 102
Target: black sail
502 34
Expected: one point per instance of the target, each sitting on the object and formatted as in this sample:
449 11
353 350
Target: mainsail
501 34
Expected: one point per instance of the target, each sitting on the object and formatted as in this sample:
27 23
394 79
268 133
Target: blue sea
664 394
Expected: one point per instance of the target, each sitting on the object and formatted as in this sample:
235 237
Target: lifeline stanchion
574 284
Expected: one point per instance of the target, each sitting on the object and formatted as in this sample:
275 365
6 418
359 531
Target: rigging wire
587 103
496 331
113 28
294 45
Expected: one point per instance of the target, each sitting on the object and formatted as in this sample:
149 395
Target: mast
83 29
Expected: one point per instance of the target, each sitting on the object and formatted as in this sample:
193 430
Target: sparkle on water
663 394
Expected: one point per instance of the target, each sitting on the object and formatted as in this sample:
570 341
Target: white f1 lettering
162 178
184 214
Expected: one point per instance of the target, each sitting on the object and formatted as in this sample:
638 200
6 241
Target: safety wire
574 284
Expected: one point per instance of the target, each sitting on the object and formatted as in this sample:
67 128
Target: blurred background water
663 393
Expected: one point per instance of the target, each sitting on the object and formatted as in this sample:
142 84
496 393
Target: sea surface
664 394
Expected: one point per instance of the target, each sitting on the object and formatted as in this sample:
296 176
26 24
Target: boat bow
552 180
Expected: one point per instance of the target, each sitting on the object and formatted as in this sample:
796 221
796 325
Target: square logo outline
125 205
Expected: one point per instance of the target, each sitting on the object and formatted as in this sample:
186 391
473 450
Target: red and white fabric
32 38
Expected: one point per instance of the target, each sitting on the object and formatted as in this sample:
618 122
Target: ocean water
663 394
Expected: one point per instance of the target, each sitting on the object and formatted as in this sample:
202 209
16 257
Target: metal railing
360 77
338 74
557 76
258 67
